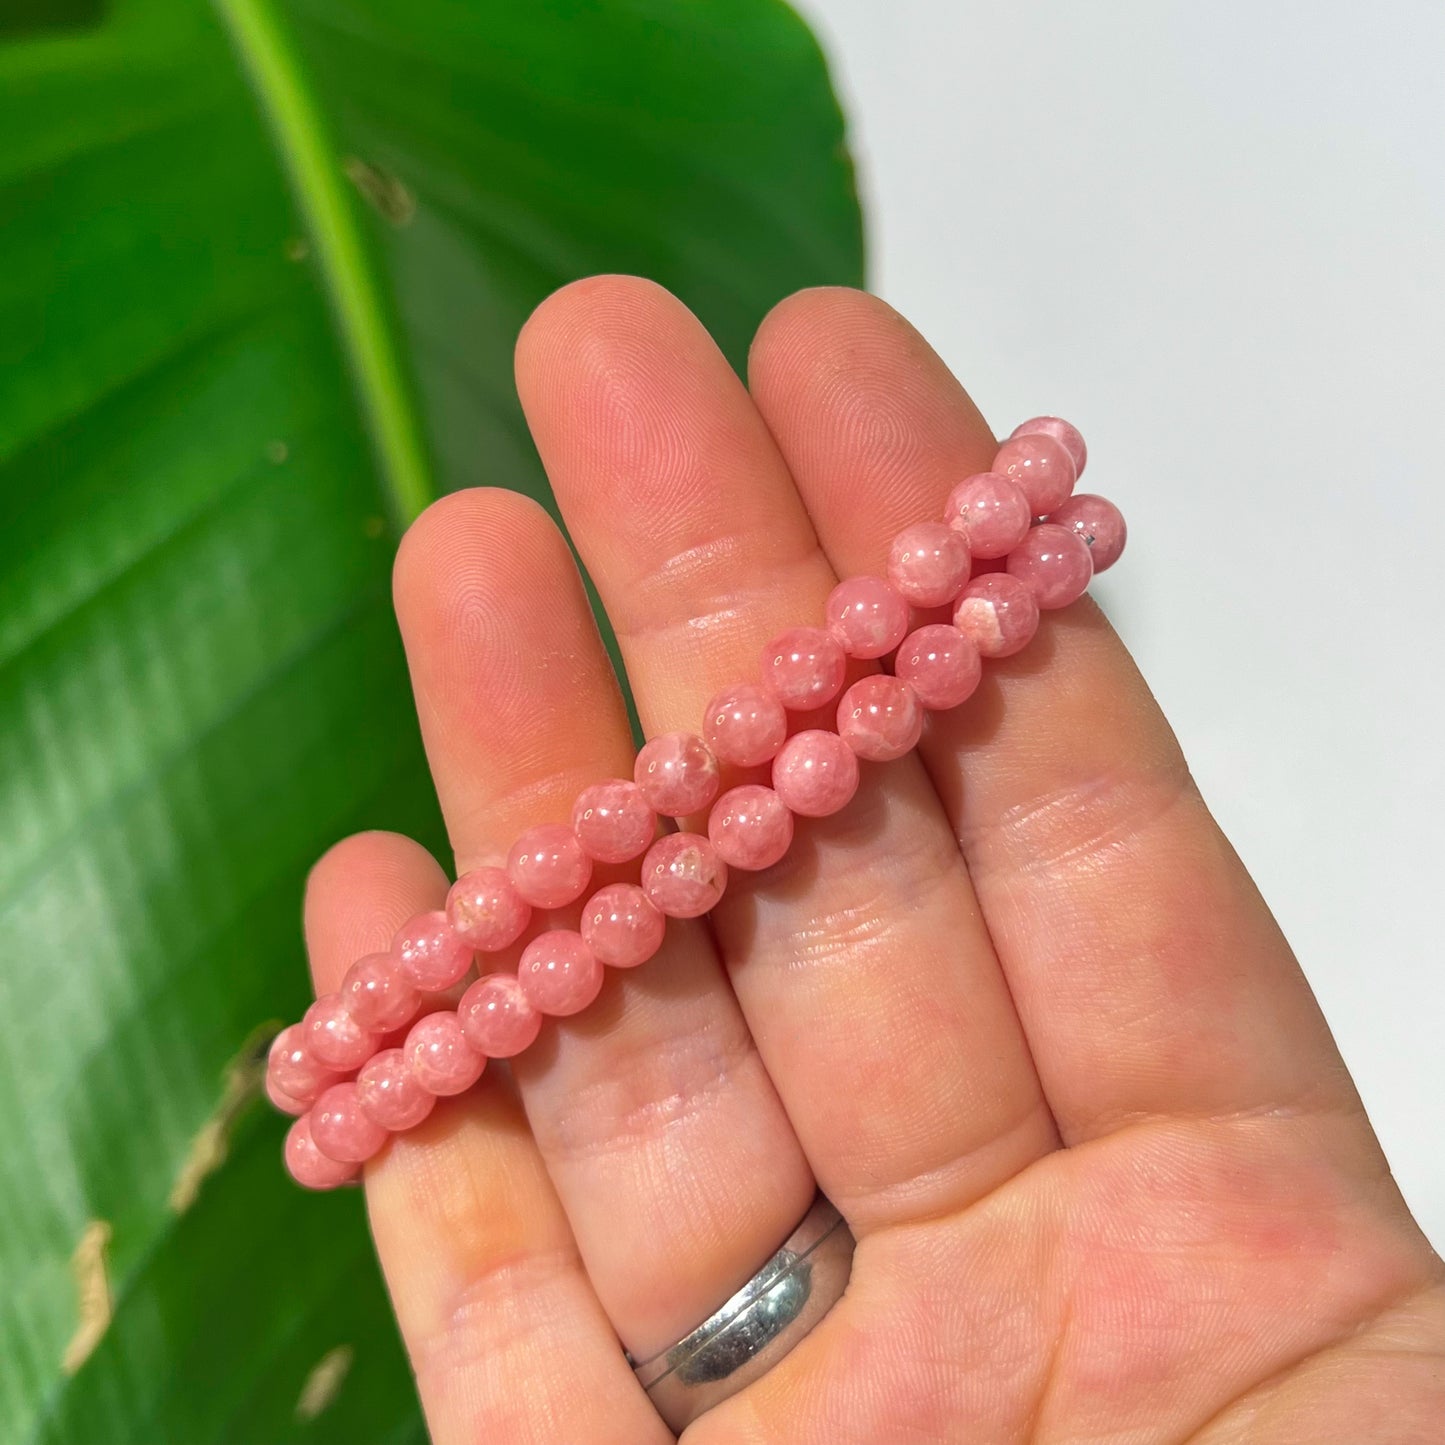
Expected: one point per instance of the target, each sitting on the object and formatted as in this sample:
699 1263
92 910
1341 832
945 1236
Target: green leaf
263 265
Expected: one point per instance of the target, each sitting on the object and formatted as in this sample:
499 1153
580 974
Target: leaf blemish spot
244 1076
92 1288
324 1382
374 526
277 452
385 193
298 248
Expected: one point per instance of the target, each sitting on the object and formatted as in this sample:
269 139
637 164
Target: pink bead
485 911
928 563
1042 468
683 875
677 773
497 1018
879 718
548 867
816 773
1099 522
294 1069
377 994
991 513
621 925
558 973
1063 432
940 664
1055 564
744 724
308 1166
867 615
282 1100
390 1094
341 1129
613 822
430 953
438 1054
750 827
803 667
334 1037
998 614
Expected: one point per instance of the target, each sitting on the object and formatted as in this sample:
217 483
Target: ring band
760 1324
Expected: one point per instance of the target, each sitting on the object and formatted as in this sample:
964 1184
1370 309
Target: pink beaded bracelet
345 1070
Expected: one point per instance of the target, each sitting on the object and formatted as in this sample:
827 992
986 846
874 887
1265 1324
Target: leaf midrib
363 319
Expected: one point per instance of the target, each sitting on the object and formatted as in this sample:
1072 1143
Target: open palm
1017 1010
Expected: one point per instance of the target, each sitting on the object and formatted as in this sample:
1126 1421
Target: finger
485 1278
1150 977
668 1146
861 960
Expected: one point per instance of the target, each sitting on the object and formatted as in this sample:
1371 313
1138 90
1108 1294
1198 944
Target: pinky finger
505 1334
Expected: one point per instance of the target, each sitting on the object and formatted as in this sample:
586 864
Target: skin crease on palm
1018 1009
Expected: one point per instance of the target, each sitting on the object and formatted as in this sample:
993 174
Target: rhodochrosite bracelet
372 1058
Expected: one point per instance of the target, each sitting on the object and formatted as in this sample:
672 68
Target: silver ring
758 1325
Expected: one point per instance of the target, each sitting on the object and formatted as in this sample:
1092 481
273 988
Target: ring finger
661 1129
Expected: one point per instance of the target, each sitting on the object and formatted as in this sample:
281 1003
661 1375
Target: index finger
1149 975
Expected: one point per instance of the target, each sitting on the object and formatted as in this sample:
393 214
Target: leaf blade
200 679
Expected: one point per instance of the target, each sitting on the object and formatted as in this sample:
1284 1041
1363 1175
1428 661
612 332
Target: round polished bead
940 664
677 773
1099 522
283 1101
485 910
308 1166
880 718
744 724
390 1094
1042 468
1054 563
334 1037
438 1053
750 827
1068 435
377 994
294 1069
497 1018
683 875
559 974
998 614
613 822
928 563
342 1129
803 667
622 926
990 512
548 867
816 773
430 953
867 615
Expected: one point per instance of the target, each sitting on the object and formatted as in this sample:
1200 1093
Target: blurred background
261 266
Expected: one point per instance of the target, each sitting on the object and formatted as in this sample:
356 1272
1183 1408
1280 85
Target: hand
1018 1010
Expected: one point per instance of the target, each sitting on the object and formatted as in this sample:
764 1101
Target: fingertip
358 893
857 395
478 530
818 313
586 314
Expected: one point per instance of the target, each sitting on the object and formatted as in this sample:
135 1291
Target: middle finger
861 960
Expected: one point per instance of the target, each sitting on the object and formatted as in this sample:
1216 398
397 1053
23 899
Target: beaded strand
352 1078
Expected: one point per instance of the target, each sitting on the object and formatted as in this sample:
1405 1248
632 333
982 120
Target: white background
1213 235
